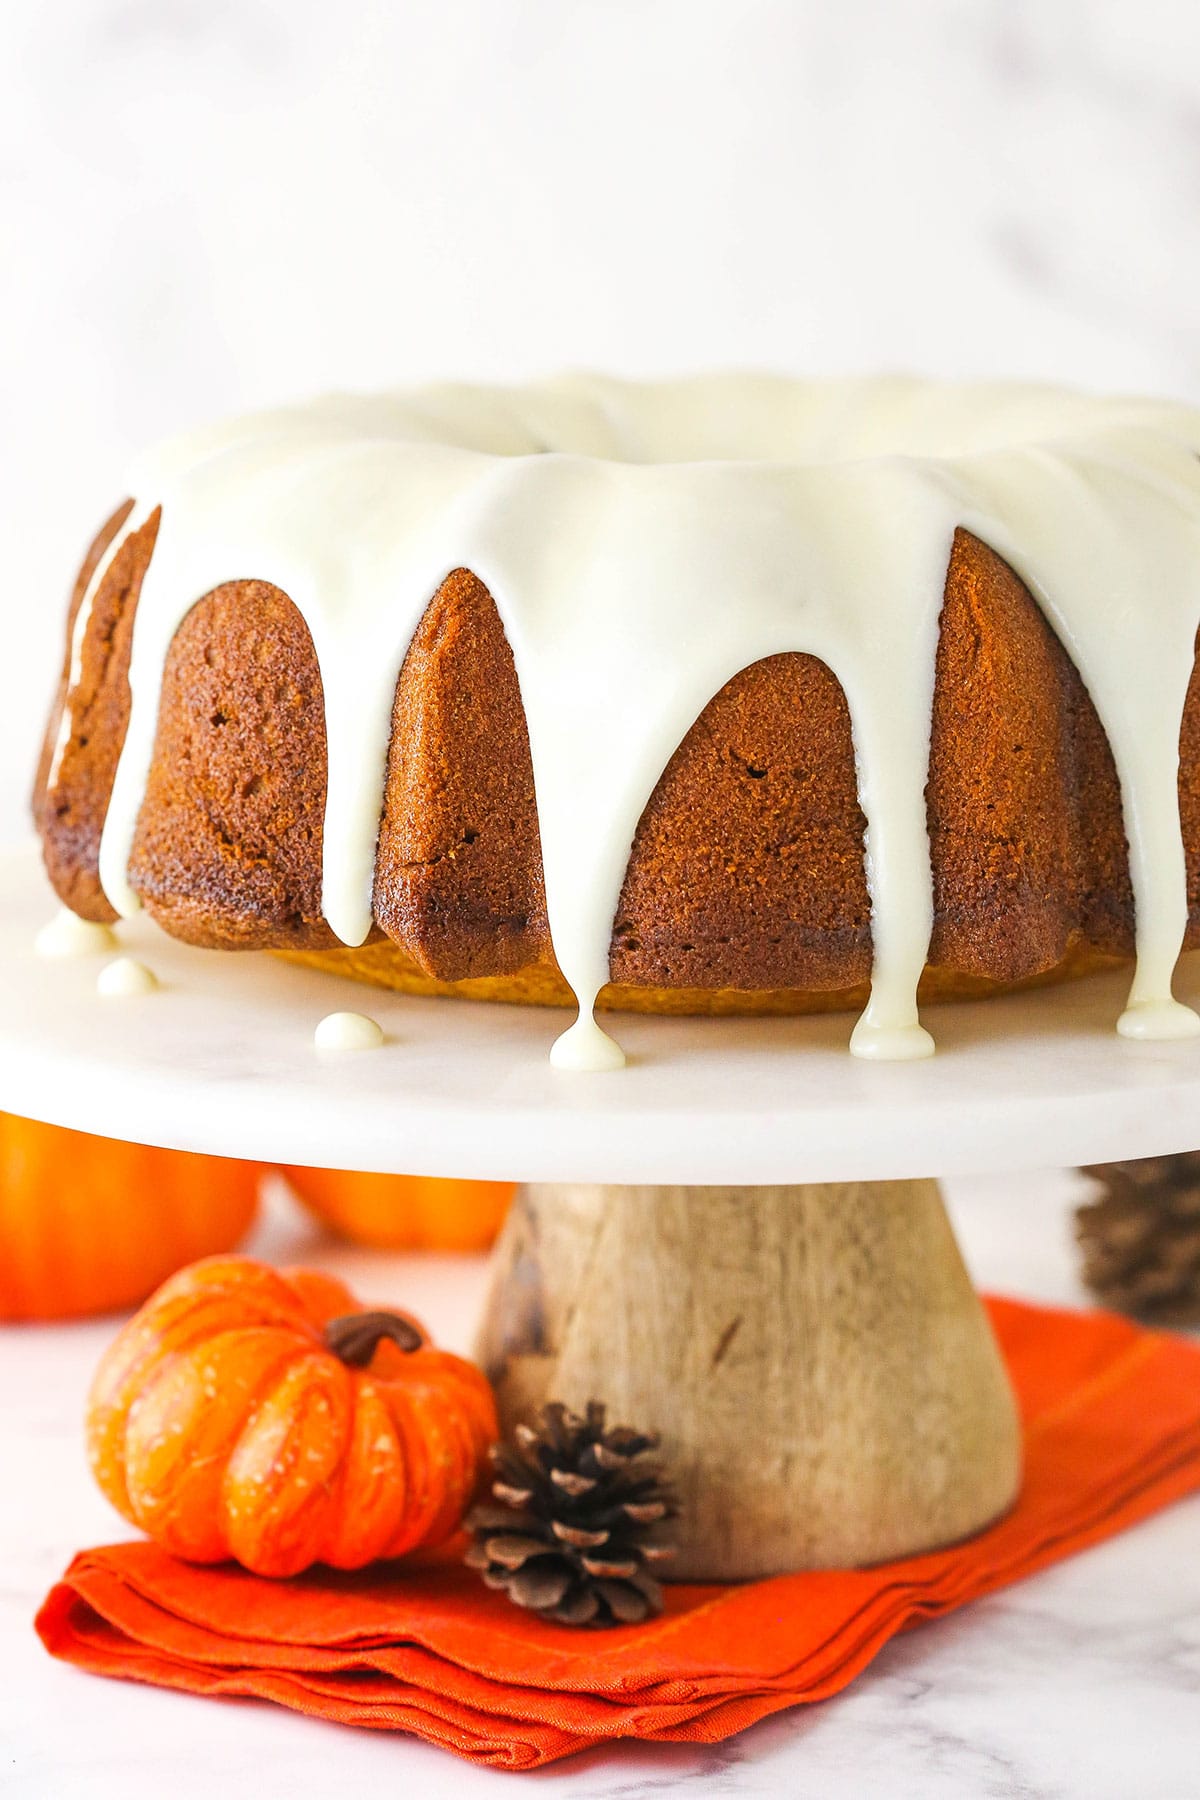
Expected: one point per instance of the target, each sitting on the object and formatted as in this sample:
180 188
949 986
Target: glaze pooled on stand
67 935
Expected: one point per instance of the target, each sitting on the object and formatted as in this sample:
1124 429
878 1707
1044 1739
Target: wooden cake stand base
822 1374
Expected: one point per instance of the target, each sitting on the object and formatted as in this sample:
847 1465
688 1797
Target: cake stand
738 1240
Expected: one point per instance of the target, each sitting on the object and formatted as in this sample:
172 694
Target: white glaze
645 542
348 1031
66 934
124 978
583 1049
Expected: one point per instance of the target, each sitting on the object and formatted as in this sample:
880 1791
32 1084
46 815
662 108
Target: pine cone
577 1520
1141 1240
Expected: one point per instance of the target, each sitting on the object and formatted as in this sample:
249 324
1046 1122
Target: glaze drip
644 543
65 935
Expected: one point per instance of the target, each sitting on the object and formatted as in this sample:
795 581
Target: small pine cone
576 1520
1141 1238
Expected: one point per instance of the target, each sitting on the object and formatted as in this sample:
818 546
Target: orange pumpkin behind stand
92 1225
404 1212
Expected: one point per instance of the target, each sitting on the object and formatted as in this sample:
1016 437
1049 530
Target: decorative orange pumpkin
405 1212
89 1225
264 1416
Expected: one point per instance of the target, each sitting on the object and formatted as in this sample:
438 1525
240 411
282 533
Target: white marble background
207 204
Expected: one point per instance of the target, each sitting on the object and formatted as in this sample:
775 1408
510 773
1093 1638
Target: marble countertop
1081 1684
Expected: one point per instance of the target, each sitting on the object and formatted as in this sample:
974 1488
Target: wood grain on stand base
819 1366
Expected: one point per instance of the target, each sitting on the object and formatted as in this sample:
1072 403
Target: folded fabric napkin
1112 1433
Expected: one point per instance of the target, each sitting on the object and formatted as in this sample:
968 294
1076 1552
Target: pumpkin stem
355 1337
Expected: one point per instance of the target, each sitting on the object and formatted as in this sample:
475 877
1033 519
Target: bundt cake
730 694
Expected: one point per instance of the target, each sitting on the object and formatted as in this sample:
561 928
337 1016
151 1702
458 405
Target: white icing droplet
890 1043
125 977
586 1049
1158 1019
348 1031
67 934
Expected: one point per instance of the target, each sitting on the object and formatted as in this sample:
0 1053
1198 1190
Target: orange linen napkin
1112 1433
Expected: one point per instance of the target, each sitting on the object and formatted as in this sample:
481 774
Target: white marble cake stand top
221 1058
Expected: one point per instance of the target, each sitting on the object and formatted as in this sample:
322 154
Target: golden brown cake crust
69 812
745 888
228 841
385 964
458 868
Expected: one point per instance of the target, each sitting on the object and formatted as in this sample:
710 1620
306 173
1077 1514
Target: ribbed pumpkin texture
404 1212
264 1416
91 1225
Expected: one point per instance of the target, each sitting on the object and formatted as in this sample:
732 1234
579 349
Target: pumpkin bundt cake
733 694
